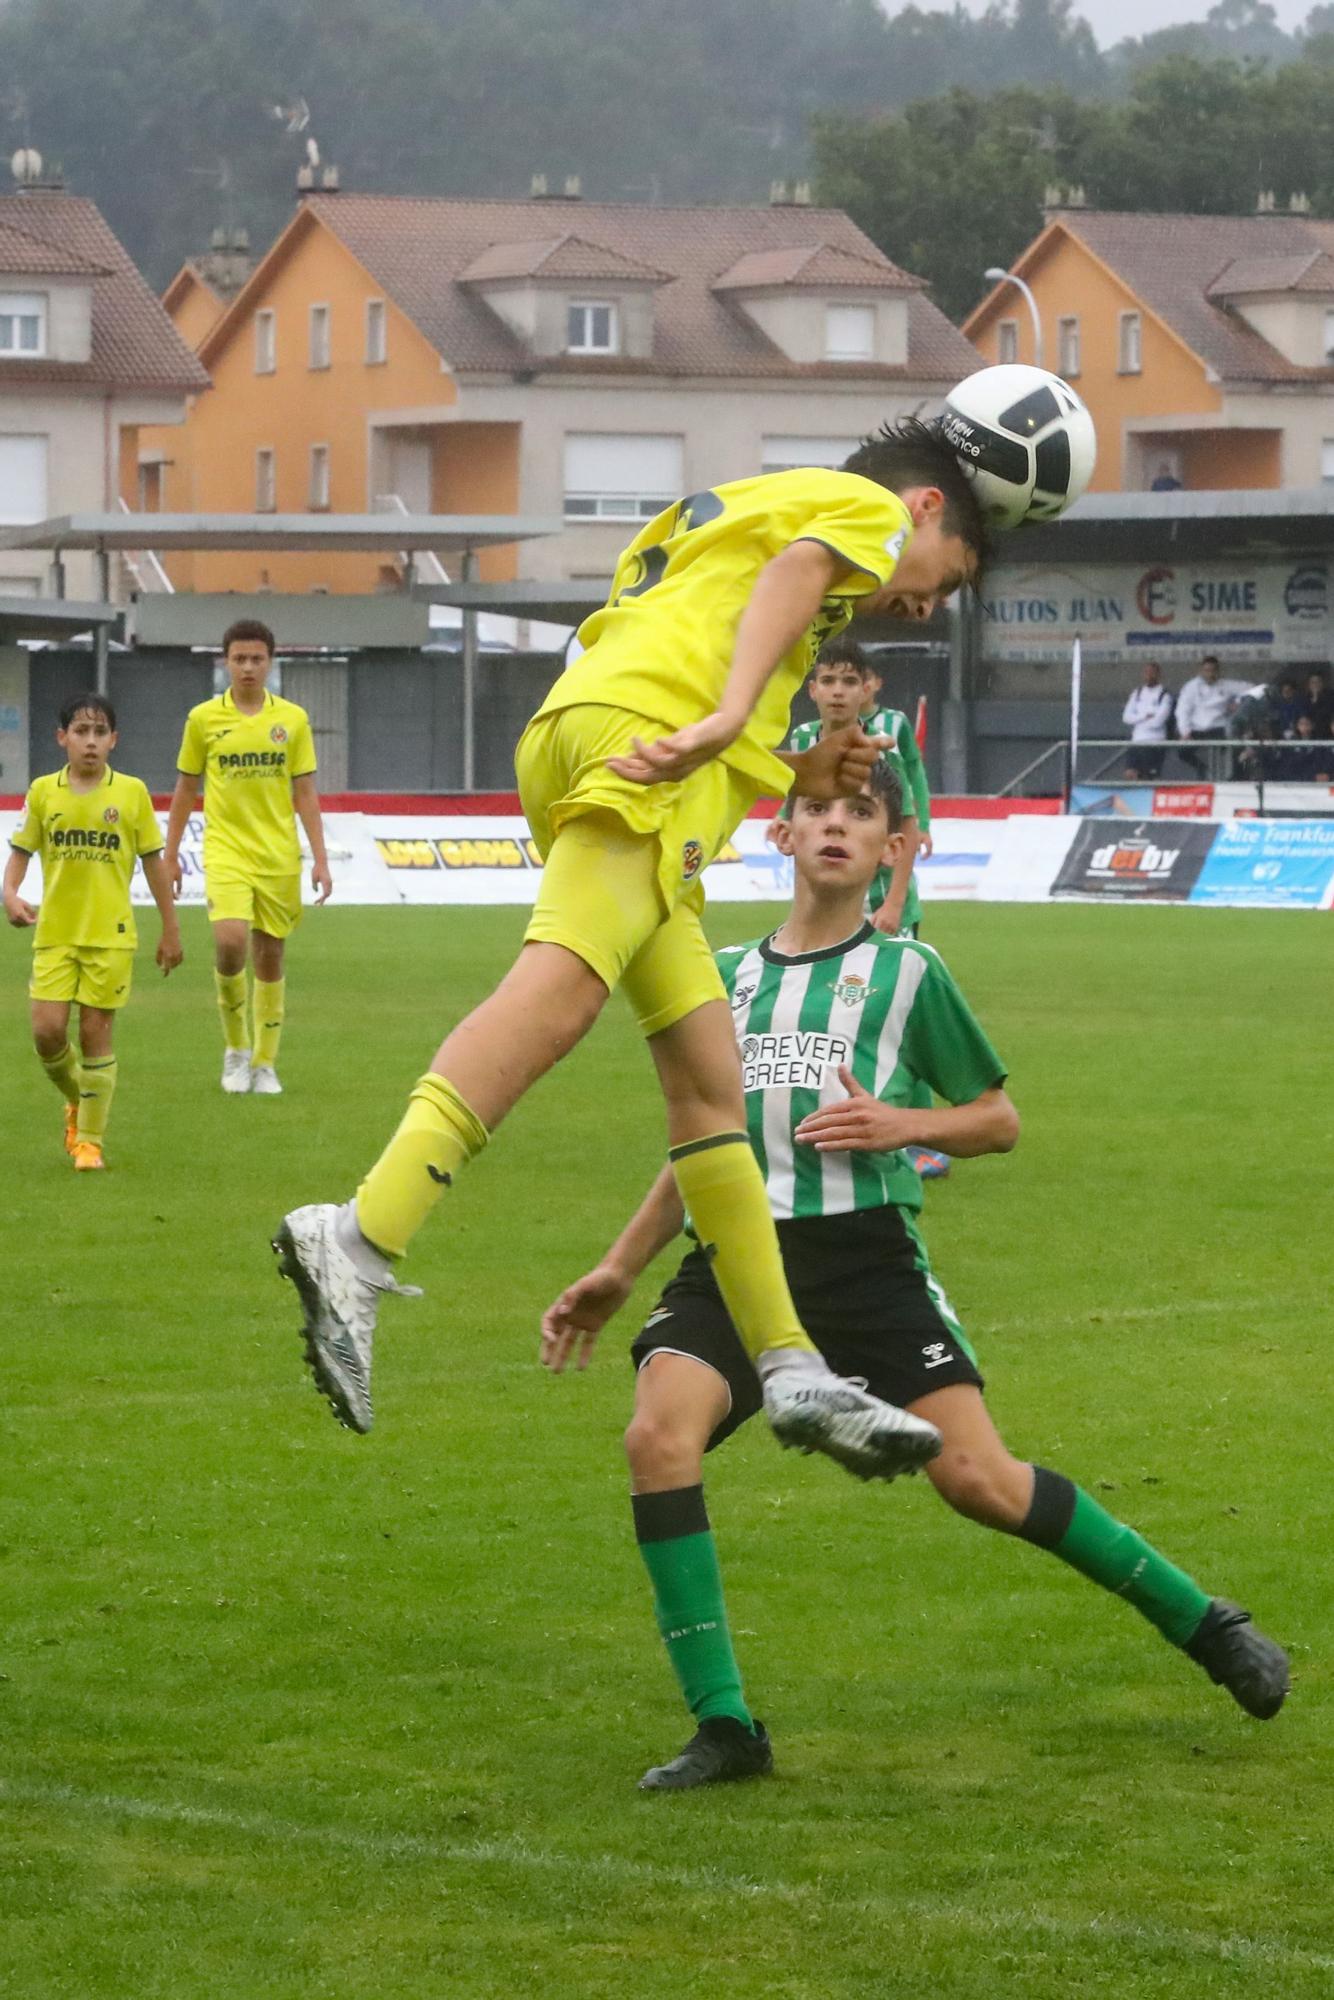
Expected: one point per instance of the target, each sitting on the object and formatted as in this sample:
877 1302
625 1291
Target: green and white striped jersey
912 786
888 1010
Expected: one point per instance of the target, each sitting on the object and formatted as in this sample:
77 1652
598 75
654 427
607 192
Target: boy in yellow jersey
256 756
639 765
88 824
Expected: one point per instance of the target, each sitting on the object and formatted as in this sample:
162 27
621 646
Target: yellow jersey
88 843
662 644
248 763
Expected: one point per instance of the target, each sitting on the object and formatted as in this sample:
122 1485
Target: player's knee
982 1488
661 1454
49 1041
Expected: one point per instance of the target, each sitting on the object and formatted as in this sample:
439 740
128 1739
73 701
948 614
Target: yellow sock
97 1087
723 1191
439 1134
231 1005
63 1070
269 994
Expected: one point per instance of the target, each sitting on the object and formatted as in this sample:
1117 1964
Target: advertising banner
1269 864
13 719
1141 861
1230 801
1261 610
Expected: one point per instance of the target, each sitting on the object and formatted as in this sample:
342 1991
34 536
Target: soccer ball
1025 437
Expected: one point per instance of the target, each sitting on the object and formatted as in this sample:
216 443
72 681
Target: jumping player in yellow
88 824
642 760
256 756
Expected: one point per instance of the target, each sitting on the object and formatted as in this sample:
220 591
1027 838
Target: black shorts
865 1295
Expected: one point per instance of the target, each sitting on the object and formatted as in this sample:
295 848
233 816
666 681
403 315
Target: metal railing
422 567
156 579
1108 760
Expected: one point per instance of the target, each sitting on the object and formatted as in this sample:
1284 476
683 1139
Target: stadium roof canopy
54 618
442 534
1137 527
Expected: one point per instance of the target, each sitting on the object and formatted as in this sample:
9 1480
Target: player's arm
183 802
889 917
989 1123
306 802
577 1317
159 879
786 600
20 913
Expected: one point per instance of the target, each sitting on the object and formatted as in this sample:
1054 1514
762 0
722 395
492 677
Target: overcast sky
1111 20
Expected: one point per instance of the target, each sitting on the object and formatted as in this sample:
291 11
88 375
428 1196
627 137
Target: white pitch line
511 1853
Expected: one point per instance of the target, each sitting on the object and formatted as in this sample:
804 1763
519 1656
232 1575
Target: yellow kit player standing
256 756
641 762
88 824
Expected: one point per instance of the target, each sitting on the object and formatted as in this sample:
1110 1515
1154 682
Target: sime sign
1264 610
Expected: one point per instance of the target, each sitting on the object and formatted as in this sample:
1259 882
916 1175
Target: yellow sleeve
29 836
193 753
303 762
869 529
148 835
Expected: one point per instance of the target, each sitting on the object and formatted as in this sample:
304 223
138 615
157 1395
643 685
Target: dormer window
22 325
591 327
849 333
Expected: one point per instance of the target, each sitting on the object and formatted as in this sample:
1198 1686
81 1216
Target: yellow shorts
268 903
91 975
621 887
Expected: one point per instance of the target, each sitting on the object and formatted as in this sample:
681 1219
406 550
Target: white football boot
236 1072
339 1303
264 1080
812 1408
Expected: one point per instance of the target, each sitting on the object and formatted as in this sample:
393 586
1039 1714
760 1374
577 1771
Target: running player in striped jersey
836 1023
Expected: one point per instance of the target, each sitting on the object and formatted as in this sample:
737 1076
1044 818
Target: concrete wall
795 322
152 695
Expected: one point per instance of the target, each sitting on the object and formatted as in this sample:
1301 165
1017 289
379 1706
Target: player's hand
20 913
925 845
838 765
322 880
169 952
860 1124
574 1321
888 919
671 758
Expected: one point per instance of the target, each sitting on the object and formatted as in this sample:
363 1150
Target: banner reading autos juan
1155 861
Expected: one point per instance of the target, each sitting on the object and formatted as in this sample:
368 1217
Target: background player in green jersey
88 824
836 1023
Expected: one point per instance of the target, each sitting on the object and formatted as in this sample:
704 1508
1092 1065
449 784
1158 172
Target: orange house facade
1202 345
582 362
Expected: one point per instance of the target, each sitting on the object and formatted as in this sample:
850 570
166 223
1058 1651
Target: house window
1007 340
319 476
1128 349
23 480
849 333
611 478
266 480
266 342
319 337
591 328
1067 348
22 324
377 332
1326 461
783 454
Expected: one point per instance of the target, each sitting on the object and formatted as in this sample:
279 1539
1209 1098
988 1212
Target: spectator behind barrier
1203 708
1148 716
1319 704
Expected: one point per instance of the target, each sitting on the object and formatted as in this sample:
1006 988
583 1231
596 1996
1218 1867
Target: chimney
574 188
801 195
537 187
32 174
331 180
779 195
1299 204
1265 202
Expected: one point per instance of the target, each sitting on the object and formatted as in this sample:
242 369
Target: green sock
676 1543
63 1070
230 987
97 1087
1069 1522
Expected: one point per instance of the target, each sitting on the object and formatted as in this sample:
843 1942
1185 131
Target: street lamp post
996 276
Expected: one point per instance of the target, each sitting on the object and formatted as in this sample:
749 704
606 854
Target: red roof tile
819 264
559 257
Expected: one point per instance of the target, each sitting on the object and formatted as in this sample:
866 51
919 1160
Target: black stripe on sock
102 1062
665 1517
675 1153
1052 1509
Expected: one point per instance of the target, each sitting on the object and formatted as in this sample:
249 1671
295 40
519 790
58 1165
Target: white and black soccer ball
1026 439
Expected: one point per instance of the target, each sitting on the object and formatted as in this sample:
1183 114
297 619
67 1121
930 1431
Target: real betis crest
851 990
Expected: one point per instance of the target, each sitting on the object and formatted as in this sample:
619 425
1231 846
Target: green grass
289 1713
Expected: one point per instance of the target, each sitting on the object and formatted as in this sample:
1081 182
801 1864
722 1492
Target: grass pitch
289 1713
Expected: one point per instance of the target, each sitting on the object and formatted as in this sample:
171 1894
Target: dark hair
248 628
911 453
88 704
1211 660
883 783
842 653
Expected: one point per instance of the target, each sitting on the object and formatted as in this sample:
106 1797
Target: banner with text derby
1259 611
